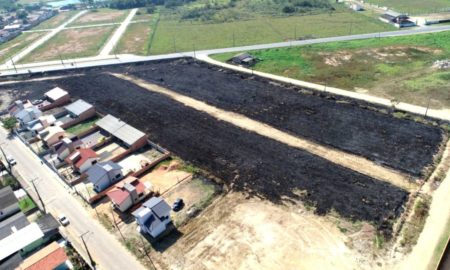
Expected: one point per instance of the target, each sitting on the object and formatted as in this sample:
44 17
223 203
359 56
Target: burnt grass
245 161
403 145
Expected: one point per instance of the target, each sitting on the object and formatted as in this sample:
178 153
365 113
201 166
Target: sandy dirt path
347 160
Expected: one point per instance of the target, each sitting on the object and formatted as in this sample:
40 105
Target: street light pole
87 250
37 192
14 65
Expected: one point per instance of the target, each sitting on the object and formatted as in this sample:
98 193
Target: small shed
244 59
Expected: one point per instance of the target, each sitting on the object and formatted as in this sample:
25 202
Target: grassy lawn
26 204
395 68
72 43
136 39
413 6
100 16
56 20
142 14
174 35
77 129
17 44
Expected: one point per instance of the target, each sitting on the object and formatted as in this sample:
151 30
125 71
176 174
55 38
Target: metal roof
17 221
56 93
7 197
158 206
120 129
97 171
19 239
78 107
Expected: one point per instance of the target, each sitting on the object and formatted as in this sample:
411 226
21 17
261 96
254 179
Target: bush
9 123
288 9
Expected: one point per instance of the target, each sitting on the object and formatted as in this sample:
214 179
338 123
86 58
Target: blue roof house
153 216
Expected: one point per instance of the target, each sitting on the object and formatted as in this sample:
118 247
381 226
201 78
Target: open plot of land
384 139
82 127
56 20
174 35
165 177
71 43
413 6
135 40
244 160
400 68
109 151
101 16
14 46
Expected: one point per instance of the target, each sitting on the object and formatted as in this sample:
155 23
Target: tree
22 14
9 123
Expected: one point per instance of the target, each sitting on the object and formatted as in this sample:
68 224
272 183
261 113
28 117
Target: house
23 240
128 135
153 217
67 146
53 98
104 174
82 159
49 227
244 59
397 19
51 135
9 205
13 27
127 193
24 112
14 223
75 113
39 124
51 257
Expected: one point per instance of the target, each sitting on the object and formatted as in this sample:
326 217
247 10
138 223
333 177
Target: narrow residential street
105 249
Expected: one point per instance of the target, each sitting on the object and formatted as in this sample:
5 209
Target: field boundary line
344 159
443 114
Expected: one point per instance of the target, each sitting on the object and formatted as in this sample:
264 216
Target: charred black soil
245 161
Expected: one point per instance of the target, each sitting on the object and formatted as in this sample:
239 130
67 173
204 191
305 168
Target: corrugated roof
19 240
17 221
7 197
158 206
120 129
78 107
56 93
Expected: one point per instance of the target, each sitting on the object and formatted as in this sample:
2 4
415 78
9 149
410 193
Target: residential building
49 227
75 113
153 217
67 146
126 134
127 193
23 241
13 223
82 159
397 19
103 175
51 135
51 257
24 112
8 203
39 124
53 98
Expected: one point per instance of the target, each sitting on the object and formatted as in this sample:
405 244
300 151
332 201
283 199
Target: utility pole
117 226
295 32
174 45
145 251
234 41
6 159
14 65
428 106
37 192
194 52
87 250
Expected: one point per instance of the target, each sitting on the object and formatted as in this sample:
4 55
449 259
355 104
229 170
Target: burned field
396 143
249 162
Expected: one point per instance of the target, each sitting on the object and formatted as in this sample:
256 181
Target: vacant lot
14 46
398 68
413 6
245 161
136 39
71 43
101 16
174 35
57 20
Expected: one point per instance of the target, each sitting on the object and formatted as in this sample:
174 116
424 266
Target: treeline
291 6
125 4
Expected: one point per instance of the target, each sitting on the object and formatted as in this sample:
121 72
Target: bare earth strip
347 160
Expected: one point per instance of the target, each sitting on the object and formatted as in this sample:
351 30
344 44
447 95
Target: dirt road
353 162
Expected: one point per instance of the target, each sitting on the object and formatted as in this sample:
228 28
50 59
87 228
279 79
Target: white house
153 217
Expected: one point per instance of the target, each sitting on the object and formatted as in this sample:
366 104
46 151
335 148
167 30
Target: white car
63 220
11 160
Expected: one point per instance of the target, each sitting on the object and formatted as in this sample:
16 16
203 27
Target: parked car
63 220
11 160
178 205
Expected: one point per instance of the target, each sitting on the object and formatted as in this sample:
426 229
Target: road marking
341 158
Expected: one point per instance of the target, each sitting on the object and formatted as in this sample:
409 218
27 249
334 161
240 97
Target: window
118 176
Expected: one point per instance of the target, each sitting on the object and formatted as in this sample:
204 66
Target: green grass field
396 68
26 204
101 16
173 35
71 43
135 40
413 6
56 20
14 46
77 129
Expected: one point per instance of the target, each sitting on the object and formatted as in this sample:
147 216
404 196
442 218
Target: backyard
82 127
71 43
399 68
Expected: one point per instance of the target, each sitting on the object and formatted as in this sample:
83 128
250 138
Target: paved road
105 249
109 46
41 41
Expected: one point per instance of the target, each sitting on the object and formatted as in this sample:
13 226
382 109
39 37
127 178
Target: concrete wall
84 116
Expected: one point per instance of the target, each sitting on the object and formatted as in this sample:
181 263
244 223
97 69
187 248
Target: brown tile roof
47 258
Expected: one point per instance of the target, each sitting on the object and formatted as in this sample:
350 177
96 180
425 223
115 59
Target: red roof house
127 193
50 257
82 159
